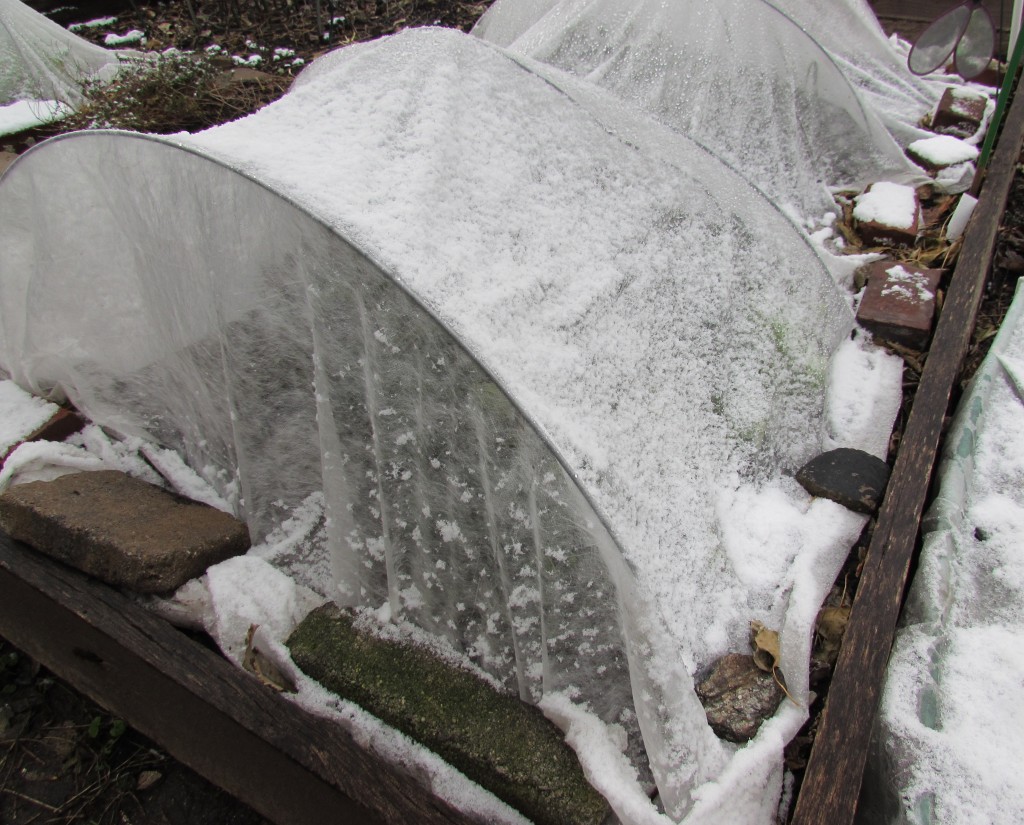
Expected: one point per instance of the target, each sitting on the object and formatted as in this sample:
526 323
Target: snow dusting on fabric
951 712
517 364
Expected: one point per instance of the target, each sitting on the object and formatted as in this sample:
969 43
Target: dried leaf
767 653
829 630
765 643
263 668
147 779
831 622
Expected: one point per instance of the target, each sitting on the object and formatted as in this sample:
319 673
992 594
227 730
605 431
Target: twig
29 799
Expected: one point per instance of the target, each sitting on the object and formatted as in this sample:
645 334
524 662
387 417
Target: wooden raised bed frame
296 770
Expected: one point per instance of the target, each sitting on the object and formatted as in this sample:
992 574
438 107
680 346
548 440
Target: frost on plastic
525 343
41 60
739 77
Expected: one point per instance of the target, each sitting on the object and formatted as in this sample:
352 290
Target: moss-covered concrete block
503 744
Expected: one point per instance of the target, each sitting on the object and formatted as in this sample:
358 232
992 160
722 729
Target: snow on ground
126 39
26 114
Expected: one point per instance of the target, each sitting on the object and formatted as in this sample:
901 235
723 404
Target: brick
899 302
121 530
63 424
941 151
878 233
959 113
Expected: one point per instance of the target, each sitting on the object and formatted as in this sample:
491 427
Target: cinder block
121 530
960 113
899 302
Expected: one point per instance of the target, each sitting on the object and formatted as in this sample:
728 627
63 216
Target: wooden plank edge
291 766
835 770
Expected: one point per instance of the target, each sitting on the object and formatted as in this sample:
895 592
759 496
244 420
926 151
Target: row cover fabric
948 747
528 343
849 31
738 76
41 60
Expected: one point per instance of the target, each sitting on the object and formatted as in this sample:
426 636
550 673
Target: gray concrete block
121 530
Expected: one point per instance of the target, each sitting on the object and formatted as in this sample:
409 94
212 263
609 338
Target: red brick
899 305
63 424
959 113
873 233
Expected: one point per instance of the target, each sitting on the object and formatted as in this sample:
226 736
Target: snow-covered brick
887 214
899 302
21 414
960 112
941 151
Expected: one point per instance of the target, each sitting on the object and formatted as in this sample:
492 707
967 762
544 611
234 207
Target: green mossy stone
503 744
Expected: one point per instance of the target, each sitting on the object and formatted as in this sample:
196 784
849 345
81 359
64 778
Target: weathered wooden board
836 767
287 764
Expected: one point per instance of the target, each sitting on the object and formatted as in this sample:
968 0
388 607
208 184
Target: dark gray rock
738 696
853 478
121 530
503 744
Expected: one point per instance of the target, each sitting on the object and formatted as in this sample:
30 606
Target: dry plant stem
29 799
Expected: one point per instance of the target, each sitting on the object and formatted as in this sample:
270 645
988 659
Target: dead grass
173 93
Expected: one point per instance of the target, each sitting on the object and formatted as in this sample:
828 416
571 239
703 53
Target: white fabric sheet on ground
548 365
949 747
738 76
41 60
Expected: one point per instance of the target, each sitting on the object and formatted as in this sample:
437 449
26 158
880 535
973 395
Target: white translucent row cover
948 744
849 31
522 338
41 60
738 76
